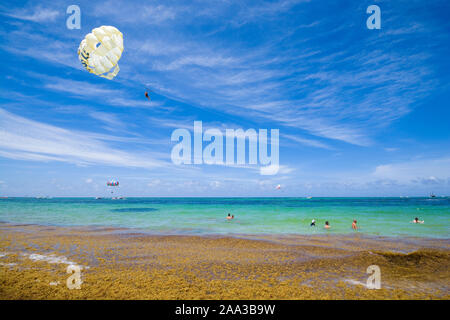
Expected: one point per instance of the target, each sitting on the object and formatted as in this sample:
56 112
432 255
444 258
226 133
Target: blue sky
360 112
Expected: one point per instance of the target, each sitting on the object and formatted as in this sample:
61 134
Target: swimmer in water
327 225
232 217
354 227
313 223
229 217
416 220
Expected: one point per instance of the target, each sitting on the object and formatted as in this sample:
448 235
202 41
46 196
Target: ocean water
207 216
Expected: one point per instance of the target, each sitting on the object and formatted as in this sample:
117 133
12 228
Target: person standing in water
229 217
354 227
327 225
313 223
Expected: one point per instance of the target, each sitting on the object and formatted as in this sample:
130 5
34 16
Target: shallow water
277 216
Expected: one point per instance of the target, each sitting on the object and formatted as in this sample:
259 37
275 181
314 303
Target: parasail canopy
112 183
100 51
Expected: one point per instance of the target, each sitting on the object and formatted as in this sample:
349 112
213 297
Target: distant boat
432 195
308 197
97 198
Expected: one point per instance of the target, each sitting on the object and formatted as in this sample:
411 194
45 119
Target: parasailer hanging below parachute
112 183
146 95
100 51
278 187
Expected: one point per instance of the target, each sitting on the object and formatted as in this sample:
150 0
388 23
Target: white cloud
307 142
88 90
79 88
215 184
415 171
112 121
25 139
36 15
154 183
274 169
199 61
145 14
44 48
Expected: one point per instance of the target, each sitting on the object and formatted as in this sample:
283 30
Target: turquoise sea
207 216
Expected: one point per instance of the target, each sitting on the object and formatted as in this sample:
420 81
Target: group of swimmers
354 226
327 224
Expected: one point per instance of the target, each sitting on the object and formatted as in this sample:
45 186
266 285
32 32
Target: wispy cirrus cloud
306 141
111 120
37 14
150 13
194 61
334 92
83 89
25 139
324 93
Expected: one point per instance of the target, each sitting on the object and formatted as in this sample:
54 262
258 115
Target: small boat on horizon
432 195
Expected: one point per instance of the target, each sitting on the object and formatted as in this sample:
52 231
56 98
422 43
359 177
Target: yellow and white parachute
100 51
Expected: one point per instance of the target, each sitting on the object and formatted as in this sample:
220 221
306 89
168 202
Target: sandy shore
122 264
